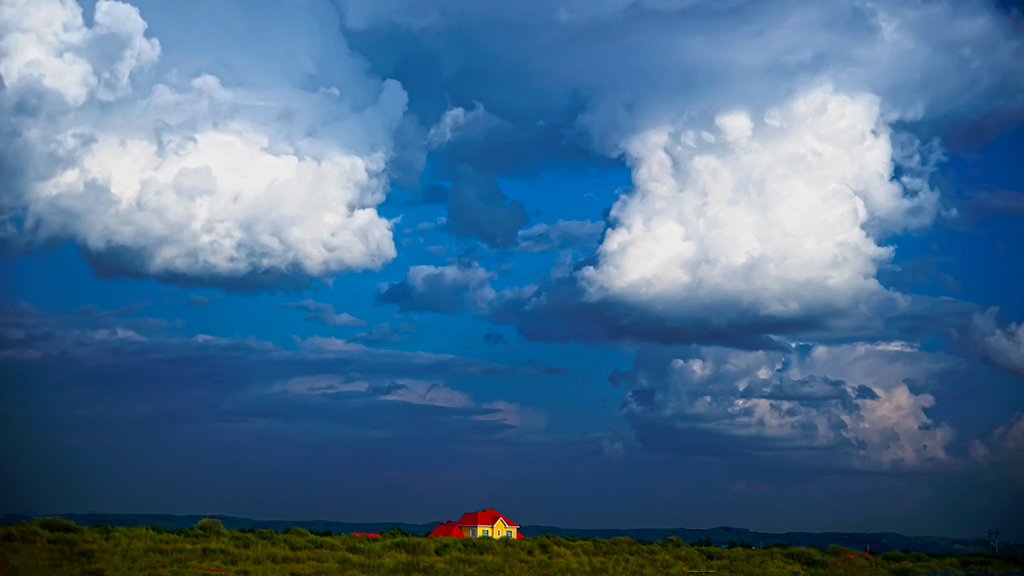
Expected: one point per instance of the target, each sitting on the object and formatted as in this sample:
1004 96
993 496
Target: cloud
319 384
456 123
426 393
101 337
778 219
385 334
118 334
478 208
28 334
562 235
46 43
447 289
418 392
195 182
514 415
952 63
493 337
1002 452
612 448
934 61
1004 348
360 358
559 312
439 221
325 314
864 403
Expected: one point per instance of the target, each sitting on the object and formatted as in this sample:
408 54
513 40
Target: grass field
57 547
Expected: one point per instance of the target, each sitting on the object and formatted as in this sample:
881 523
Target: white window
508 533
485 532
472 532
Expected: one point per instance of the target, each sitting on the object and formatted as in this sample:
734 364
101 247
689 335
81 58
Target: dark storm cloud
1001 450
478 208
124 262
560 312
545 61
493 337
146 405
250 371
152 420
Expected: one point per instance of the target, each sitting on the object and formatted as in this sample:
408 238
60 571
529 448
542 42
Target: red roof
486 517
449 529
367 534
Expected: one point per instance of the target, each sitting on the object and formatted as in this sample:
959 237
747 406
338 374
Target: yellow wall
496 531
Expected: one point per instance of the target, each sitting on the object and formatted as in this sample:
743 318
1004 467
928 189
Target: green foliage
58 526
58 547
209 526
702 542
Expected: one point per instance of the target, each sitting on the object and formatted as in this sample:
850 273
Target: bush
210 526
57 525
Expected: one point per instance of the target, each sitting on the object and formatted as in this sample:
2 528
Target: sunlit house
483 524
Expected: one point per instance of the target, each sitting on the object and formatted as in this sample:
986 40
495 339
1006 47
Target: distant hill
875 541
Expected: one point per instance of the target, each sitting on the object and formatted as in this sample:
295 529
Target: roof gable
449 529
486 517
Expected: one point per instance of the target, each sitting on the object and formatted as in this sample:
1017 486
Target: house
448 529
483 524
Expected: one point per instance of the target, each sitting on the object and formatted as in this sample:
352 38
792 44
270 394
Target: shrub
209 526
57 525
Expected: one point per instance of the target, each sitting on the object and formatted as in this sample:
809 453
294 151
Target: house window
485 532
508 533
472 532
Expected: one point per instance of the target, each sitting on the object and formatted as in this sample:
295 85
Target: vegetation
55 546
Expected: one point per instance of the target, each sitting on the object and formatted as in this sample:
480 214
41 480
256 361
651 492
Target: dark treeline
57 546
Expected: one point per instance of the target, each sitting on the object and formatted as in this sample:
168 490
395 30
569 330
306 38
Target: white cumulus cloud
46 41
196 181
443 289
864 400
780 218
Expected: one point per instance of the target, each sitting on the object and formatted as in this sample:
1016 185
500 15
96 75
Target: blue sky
595 264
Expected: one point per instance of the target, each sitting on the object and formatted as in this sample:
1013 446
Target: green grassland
55 547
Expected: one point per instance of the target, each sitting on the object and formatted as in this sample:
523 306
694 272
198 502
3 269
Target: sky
604 263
